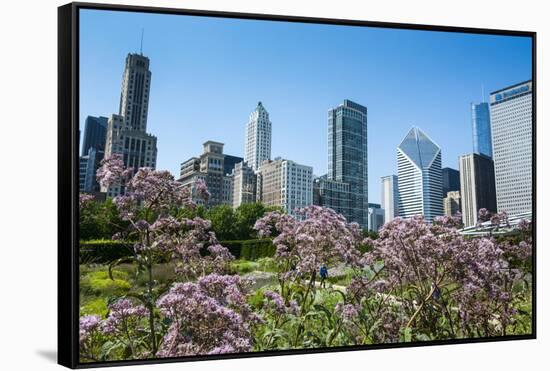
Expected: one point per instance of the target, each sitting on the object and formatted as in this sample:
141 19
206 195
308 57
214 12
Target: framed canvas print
238 185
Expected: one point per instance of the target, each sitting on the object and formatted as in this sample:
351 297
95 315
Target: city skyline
292 95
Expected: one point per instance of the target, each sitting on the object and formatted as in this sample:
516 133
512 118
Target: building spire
482 94
141 43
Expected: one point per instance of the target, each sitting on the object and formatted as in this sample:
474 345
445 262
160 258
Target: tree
223 221
247 215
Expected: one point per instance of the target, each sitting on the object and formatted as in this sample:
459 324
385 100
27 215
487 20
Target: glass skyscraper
419 176
95 131
481 129
347 156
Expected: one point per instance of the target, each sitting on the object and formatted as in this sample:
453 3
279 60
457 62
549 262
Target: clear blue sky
209 73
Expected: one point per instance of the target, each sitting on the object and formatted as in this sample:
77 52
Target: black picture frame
68 147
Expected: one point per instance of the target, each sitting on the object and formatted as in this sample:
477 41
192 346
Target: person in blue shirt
323 272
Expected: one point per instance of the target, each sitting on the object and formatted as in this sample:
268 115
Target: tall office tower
243 185
210 167
95 131
127 131
376 217
93 149
450 180
390 197
347 156
477 186
134 95
257 144
481 129
512 130
88 169
138 149
419 176
332 194
451 203
285 183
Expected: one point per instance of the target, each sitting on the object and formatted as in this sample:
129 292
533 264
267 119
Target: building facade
451 203
134 95
95 132
258 138
127 132
419 176
211 167
481 129
243 185
390 197
477 186
286 184
450 180
332 194
347 156
512 134
88 168
376 217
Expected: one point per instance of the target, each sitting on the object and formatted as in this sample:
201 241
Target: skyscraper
419 176
88 169
95 130
93 150
390 197
285 183
257 147
127 132
376 217
481 129
512 128
450 180
477 186
347 156
134 95
332 194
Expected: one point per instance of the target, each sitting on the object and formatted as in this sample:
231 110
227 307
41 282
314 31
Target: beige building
286 184
451 203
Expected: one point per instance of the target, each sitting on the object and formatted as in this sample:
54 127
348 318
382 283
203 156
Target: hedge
104 251
250 249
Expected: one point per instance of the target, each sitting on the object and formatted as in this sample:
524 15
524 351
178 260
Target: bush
250 249
243 266
104 251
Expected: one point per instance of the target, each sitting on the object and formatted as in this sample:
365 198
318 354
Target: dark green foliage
104 251
246 216
223 220
250 249
100 220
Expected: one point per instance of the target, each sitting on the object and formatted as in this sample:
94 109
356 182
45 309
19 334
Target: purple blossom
208 317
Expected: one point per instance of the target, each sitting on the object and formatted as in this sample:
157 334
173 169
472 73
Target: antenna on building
482 94
141 44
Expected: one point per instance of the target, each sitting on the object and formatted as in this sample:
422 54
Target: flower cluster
317 236
88 325
84 199
275 303
121 314
112 171
207 317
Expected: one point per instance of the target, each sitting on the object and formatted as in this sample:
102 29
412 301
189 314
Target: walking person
323 272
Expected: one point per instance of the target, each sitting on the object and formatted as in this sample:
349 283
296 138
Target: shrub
104 251
250 249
